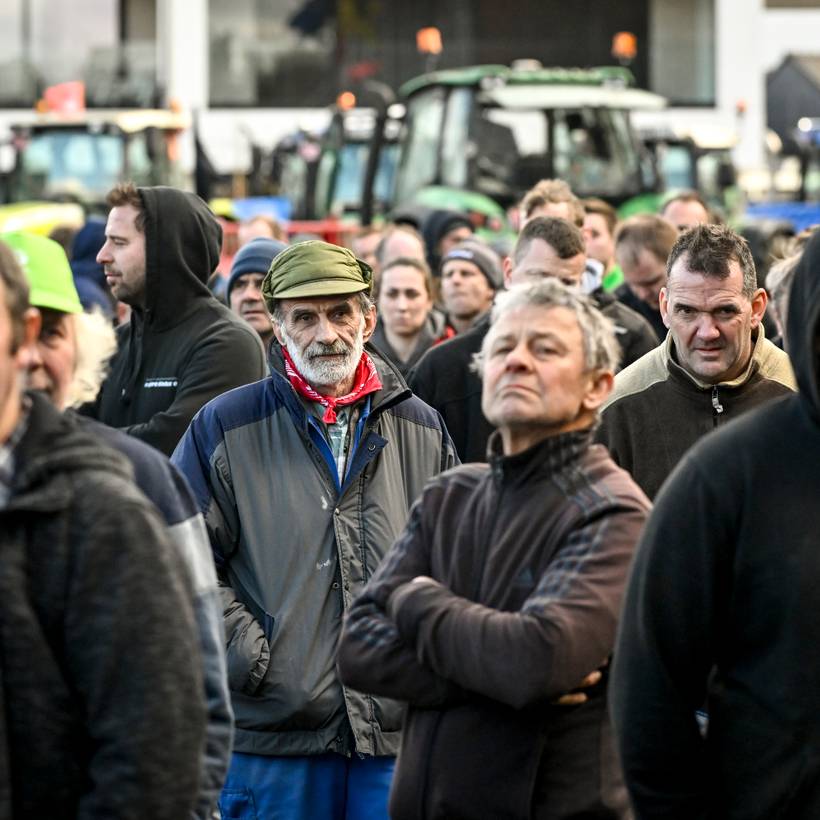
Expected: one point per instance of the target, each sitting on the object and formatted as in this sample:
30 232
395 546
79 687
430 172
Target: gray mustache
320 349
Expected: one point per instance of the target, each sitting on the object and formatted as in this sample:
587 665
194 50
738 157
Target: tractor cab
698 159
64 164
80 158
497 130
341 175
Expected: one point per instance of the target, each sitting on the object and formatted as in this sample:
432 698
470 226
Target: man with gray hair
503 591
714 364
305 480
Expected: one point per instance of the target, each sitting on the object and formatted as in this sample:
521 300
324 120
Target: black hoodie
722 609
185 347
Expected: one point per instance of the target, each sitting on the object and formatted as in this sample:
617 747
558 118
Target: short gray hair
601 348
277 315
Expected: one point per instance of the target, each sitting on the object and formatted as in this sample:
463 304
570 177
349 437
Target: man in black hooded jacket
722 608
181 347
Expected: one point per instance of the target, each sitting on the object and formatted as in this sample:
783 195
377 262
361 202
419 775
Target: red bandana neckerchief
365 380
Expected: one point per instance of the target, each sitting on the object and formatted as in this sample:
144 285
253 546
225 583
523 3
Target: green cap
315 268
46 267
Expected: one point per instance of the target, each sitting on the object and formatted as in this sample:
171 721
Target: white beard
318 371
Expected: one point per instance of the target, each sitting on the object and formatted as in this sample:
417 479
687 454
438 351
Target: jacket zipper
717 407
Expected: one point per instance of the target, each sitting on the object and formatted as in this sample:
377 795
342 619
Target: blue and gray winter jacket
294 543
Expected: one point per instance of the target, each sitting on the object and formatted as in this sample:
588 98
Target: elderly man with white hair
305 479
503 591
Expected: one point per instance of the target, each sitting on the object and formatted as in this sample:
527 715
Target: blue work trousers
317 787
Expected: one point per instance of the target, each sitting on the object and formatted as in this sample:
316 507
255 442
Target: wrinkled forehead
529 321
320 304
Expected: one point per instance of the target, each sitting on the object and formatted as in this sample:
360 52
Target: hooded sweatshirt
722 609
185 347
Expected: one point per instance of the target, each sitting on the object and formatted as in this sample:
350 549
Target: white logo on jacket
164 381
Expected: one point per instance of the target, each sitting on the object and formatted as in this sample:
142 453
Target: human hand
575 698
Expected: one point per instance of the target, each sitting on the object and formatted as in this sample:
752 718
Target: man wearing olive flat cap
305 480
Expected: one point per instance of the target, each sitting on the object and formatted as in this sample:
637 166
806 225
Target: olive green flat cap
315 268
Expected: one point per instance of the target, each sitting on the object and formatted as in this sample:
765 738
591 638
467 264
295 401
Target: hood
437 224
801 325
182 246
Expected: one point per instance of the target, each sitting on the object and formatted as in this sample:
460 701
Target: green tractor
476 139
64 164
341 174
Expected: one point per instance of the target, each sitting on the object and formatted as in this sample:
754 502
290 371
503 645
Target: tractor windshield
460 138
78 165
421 143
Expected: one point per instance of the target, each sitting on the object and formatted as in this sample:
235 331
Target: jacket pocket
237 804
247 650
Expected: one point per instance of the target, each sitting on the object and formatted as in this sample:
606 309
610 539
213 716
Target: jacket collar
549 457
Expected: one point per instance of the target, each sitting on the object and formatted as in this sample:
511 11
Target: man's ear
506 267
759 301
277 332
369 322
600 386
663 299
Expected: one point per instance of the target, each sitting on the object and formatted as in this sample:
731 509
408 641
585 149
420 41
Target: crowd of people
427 527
